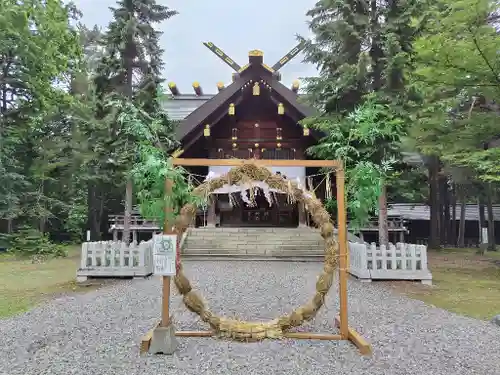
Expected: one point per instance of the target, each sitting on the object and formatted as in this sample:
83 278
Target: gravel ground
99 332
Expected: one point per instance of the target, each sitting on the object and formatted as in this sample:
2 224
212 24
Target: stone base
163 340
496 320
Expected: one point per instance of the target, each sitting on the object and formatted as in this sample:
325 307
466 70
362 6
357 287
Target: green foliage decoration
152 163
364 141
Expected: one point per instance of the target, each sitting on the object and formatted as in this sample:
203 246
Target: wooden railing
401 261
394 224
135 220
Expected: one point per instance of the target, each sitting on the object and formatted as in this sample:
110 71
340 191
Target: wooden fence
395 262
115 259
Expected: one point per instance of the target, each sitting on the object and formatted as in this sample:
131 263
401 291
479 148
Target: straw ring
253 331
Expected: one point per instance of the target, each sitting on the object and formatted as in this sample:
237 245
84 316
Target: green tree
457 76
363 51
132 43
457 67
37 51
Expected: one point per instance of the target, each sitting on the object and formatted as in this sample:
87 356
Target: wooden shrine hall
255 116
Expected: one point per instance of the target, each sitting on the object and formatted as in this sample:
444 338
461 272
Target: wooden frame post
167 229
342 322
342 240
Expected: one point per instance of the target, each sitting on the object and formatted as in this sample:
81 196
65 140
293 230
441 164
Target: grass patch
464 282
24 284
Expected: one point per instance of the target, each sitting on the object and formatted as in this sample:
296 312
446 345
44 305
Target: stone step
245 257
256 239
295 232
253 252
264 234
250 243
292 244
255 236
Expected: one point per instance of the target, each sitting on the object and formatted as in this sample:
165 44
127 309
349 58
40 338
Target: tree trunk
481 219
491 219
433 166
383 228
42 219
461 227
128 211
444 207
129 66
480 223
94 213
453 222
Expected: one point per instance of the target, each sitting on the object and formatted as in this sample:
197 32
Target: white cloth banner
242 189
291 173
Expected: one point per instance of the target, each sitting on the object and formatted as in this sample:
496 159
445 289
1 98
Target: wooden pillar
115 235
402 236
343 255
167 229
211 218
302 215
134 236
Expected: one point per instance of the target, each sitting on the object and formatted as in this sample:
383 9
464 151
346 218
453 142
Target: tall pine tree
134 64
362 50
340 31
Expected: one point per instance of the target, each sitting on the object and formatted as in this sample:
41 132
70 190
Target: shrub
29 242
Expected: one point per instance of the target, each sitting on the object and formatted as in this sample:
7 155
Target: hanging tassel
328 192
311 187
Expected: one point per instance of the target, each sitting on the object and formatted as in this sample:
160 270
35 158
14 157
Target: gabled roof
200 114
290 97
256 70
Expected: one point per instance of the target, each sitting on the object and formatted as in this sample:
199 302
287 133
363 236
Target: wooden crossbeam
289 56
222 55
337 164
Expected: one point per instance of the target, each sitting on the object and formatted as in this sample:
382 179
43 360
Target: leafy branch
152 163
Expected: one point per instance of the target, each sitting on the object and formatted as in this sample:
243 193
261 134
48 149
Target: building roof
196 118
194 112
178 107
415 211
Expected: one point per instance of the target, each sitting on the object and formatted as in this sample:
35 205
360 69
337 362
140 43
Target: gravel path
99 332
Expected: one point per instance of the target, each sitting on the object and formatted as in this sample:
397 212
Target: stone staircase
254 243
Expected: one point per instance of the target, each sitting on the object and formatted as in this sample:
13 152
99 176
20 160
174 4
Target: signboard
165 254
484 235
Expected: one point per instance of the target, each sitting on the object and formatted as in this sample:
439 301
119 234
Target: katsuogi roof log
197 88
173 89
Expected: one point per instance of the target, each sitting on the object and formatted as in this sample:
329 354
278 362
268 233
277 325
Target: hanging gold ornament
281 109
256 89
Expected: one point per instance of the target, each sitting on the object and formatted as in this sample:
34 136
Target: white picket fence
395 262
115 259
